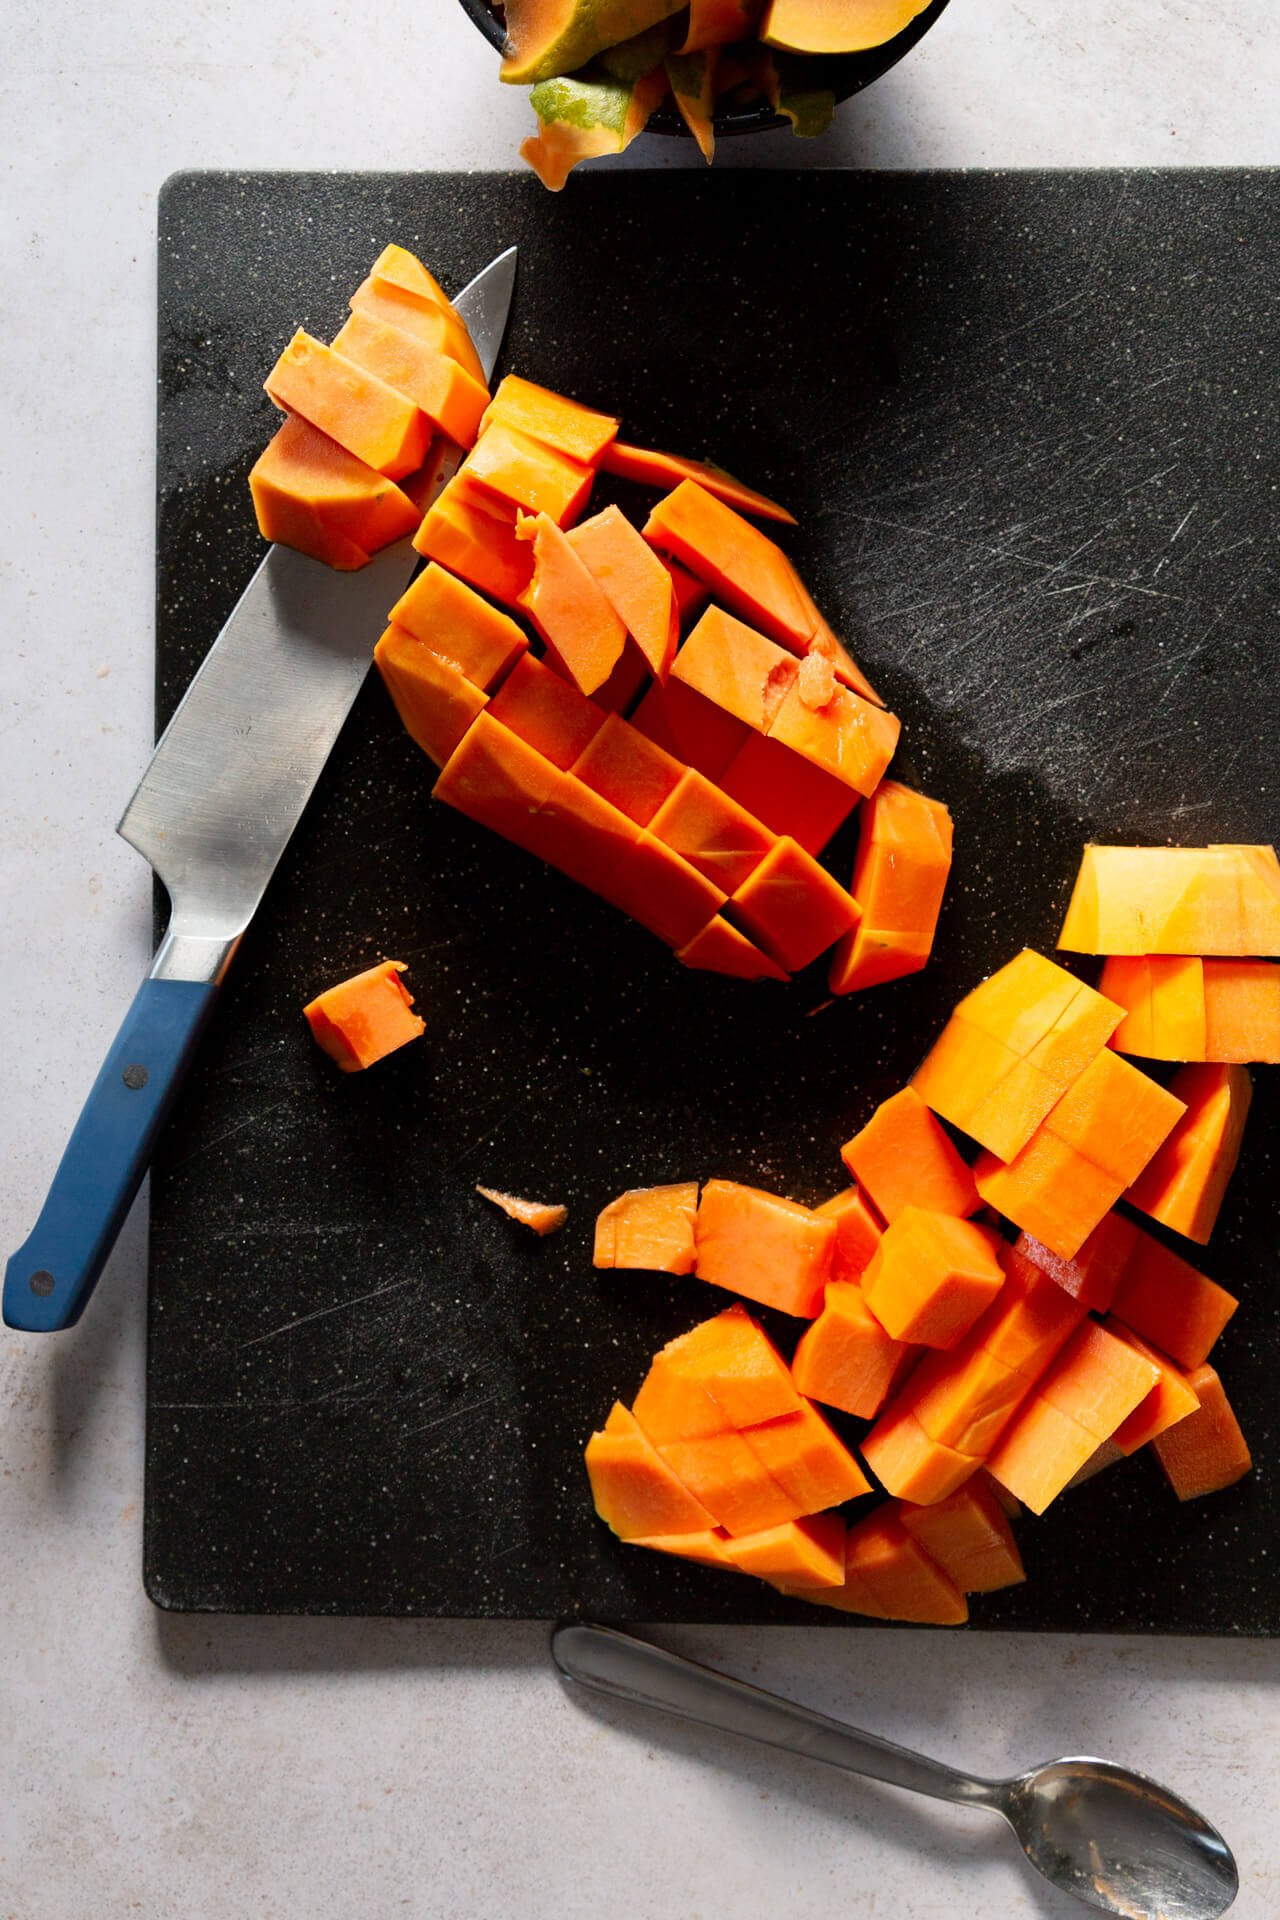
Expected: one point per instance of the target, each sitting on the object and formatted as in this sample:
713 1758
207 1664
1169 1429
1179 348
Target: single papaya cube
435 326
791 906
1242 1011
736 668
789 794
735 1361
662 892
931 1277
1093 1273
1206 1451
310 493
723 1472
708 1549
903 859
634 581
801 1553
982 1086
1049 1190
1040 1453
690 593
720 948
1170 1400
903 1158
1184 1184
849 737
635 1491
1164 1005
689 726
436 703
586 838
1031 1319
650 1228
1115 1116
474 536
1222 900
524 473
1162 1297
858 1230
1097 1380
968 1535
713 833
403 272
365 1018
906 1583
764 1247
546 712
909 1464
671 1405
741 566
964 1398
452 620
379 425
561 424
496 779
807 1459
846 1359
448 395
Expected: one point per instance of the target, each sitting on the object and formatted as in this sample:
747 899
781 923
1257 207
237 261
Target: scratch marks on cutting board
323 1313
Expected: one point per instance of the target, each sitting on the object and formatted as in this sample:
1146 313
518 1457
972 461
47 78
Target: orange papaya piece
791 906
982 1086
634 1490
547 712
372 420
1161 1296
720 23
1049 1190
401 271
474 536
672 1404
540 1216
720 948
726 1476
1031 1319
688 592
1098 1379
911 1465
1221 900
1041 1453
788 793
964 1398
589 840
737 669
1043 1013
1242 1011
859 1226
1164 1005
708 1549
1184 1184
650 1228
905 1582
1115 1116
435 701
628 770
1093 1273
713 833
432 325
666 470
363 1019
568 608
968 1535
523 473
931 1277
732 1358
685 723
764 1247
635 583
447 394
661 891
1207 1451
310 493
845 1358
899 876
904 1158
832 26
851 738
452 620
561 424
1171 1399
496 779
809 1461
799 1554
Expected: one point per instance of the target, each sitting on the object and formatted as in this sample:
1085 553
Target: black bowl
845 74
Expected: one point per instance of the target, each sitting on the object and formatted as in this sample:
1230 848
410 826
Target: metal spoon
1112 1838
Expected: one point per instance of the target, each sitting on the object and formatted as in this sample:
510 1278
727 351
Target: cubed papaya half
788 793
899 877
474 535
452 620
635 583
650 1228
931 1277
447 394
634 1490
568 607
1184 1184
363 1019
435 701
764 1247
791 906
310 493
721 948
845 1358
904 1158
968 1535
1222 900
1162 1296
522 472
713 833
562 424
1207 1451
859 1226
372 420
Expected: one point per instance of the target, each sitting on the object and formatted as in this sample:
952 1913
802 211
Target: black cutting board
1027 423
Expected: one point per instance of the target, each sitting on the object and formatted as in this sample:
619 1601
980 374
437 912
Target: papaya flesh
836 26
549 38
581 118
310 493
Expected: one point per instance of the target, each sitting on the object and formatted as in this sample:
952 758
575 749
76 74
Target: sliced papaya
435 701
522 472
565 425
635 583
371 419
310 493
448 395
569 607
649 468
452 620
474 535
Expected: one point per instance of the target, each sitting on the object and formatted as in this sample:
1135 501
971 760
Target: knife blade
215 809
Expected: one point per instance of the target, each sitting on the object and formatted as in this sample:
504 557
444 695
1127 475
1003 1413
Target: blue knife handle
50 1277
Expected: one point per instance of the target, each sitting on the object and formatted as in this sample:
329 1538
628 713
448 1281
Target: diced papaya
712 832
791 906
540 1216
403 272
650 1228
496 779
650 469
379 425
435 701
452 620
800 1553
688 725
435 326
568 607
899 877
1184 1184
448 395
736 668
965 1397
1098 1379
474 535
689 593
807 1459
1049 1190
635 583
931 1277
1030 1321
720 948
728 1478
709 1548
628 770
363 1019
982 1086
672 1405
906 1583
1164 1005
1222 900
732 1358
1207 1451
635 1491
968 1535
591 841
661 891
547 712
788 793
524 473
1162 1297
310 493
760 1245
1093 1273
1115 1116
564 425
1041 1453
859 1226
1242 1011
904 1158
850 737
1044 1014
909 1464
1171 1399
845 1358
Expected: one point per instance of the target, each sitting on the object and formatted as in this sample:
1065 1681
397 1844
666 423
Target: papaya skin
583 118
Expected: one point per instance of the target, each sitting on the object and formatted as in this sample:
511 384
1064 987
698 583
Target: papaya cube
809 1461
1170 1400
968 1535
858 1230
713 833
436 703
899 877
736 668
496 779
379 425
709 1548
740 565
522 472
1184 1184
764 1247
546 712
310 493
1206 1451
634 1490
850 738
909 1464
964 1398
931 1277
1030 1001
788 793
1049 1190
727 1477
365 1018
673 1405
1041 1453
791 906
1098 1379
982 1086
690 727
564 425
732 1358
451 398
1222 900
904 1158
434 324
452 620
800 1553
1162 1296
1164 1005
474 536
568 607
586 838
1115 1116
629 771
845 1358
1093 1273
905 1582
650 1228
1031 1319
720 948
661 891
1242 1011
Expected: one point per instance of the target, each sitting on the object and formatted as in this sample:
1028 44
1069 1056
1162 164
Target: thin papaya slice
447 394
899 877
361 1020
569 608
582 118
634 581
435 701
562 424
452 620
372 420
833 26
650 468
542 1216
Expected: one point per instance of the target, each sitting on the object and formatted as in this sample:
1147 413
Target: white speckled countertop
198 1767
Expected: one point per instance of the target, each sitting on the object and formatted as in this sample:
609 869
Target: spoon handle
614 1663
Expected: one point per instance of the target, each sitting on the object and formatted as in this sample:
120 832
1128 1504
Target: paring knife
213 813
